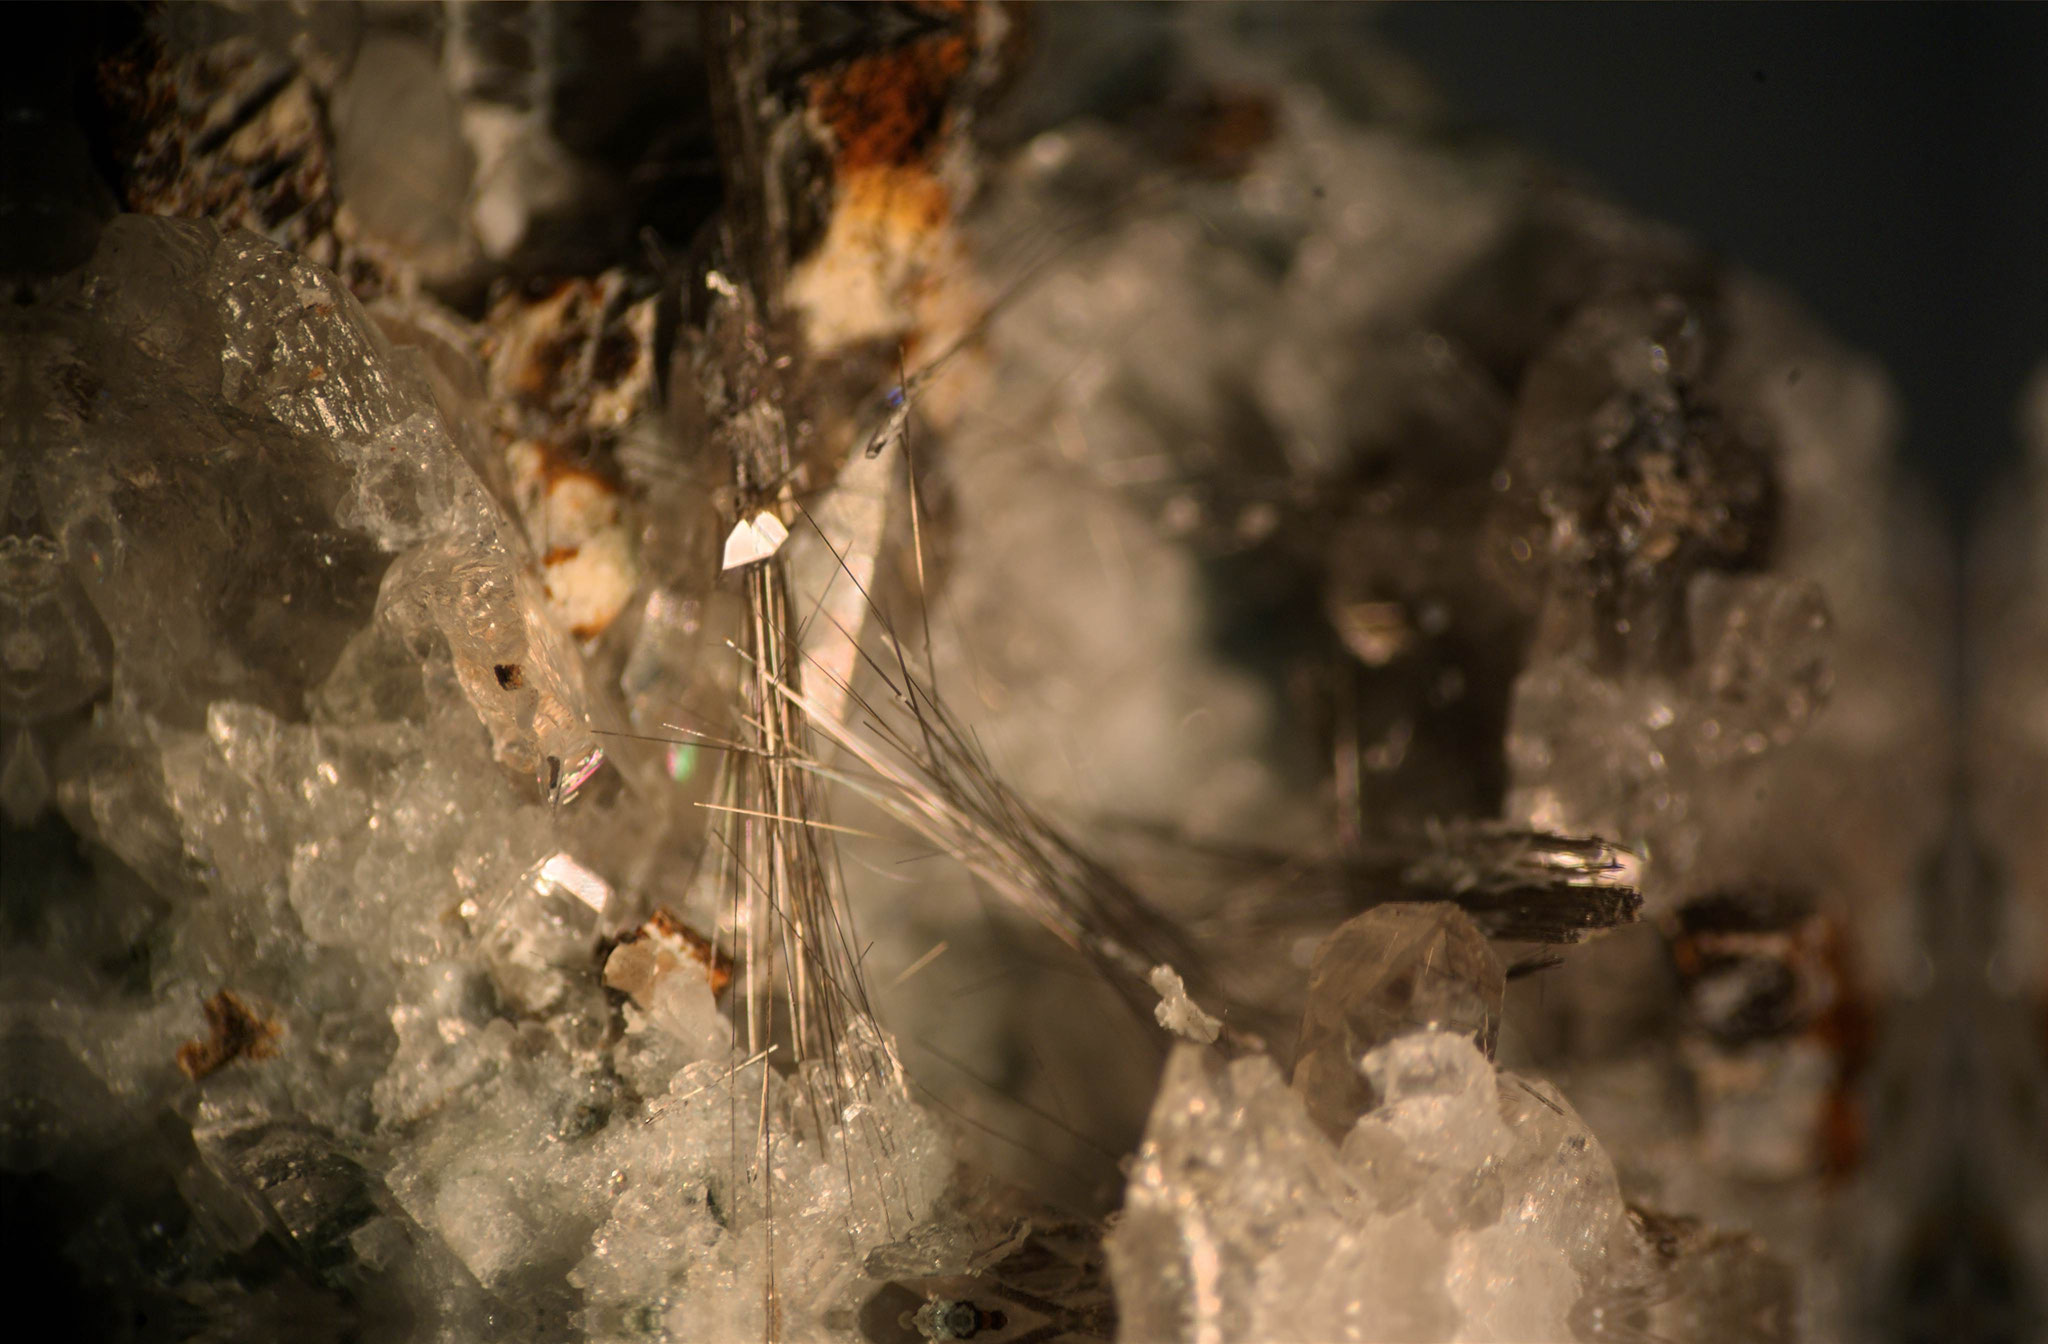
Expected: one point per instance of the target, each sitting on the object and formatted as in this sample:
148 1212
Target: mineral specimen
651 659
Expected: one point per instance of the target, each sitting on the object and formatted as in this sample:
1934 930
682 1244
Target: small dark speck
509 676
1759 77
1793 375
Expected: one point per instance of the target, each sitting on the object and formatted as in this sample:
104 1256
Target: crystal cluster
1433 643
1403 1188
342 757
1466 1205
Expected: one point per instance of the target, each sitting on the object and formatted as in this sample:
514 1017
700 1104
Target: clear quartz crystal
1397 968
542 930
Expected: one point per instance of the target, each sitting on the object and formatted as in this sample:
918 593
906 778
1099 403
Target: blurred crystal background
1817 151
1402 700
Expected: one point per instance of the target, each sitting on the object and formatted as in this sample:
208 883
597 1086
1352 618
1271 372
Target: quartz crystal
1397 968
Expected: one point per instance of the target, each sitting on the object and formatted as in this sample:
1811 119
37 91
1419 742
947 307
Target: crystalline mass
339 752
1467 1205
1375 468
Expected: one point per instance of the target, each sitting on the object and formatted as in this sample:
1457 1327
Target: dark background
1887 163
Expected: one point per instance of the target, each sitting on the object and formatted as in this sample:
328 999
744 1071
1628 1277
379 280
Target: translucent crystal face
305 494
1398 968
251 603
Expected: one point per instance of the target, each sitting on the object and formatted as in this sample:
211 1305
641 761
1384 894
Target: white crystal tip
754 539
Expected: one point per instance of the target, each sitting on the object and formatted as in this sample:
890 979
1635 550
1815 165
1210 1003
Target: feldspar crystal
1397 968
